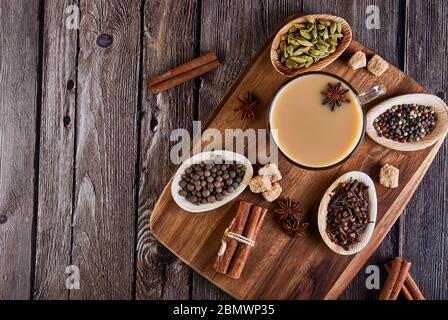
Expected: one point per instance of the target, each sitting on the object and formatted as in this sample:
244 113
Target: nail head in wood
104 40
3 219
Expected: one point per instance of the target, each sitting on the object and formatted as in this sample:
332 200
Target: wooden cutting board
280 267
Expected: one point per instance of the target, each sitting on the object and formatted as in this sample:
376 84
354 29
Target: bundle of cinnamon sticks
400 280
185 72
239 239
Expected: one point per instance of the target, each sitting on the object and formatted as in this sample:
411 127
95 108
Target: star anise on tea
247 106
289 217
335 95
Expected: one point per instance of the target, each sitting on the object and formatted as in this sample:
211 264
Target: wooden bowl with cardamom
321 63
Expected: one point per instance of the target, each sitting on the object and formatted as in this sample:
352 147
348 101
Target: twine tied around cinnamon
238 237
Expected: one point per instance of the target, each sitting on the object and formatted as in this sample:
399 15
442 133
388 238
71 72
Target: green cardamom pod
322 48
314 33
299 59
290 49
300 51
339 28
292 29
291 64
305 34
310 26
305 43
333 27
299 25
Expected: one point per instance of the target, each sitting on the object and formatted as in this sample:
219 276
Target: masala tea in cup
319 120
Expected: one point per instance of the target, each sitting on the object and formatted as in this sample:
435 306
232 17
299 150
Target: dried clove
347 213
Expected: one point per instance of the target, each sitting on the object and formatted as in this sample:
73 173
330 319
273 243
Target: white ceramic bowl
210 156
322 215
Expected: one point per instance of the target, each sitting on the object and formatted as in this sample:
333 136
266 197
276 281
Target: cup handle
372 94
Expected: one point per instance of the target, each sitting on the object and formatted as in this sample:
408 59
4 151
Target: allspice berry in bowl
210 180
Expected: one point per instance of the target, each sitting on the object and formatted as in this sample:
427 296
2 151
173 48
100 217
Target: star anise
335 95
294 227
247 106
287 209
289 216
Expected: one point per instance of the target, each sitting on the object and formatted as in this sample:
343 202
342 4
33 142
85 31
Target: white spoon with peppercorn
347 213
211 179
408 123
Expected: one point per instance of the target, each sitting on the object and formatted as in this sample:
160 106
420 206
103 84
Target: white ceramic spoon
421 99
210 156
323 209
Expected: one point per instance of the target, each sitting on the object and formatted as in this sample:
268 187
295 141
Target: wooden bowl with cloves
347 213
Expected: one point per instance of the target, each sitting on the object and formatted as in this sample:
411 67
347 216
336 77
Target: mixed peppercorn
406 123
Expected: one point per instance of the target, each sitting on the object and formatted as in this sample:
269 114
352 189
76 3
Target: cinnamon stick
184 72
405 266
406 294
251 231
238 223
410 289
413 288
391 280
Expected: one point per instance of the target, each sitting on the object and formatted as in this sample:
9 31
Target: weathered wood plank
19 34
53 243
388 45
425 232
106 149
245 26
169 40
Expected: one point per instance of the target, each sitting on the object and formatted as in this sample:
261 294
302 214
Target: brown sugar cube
389 176
377 65
271 170
260 184
272 194
358 60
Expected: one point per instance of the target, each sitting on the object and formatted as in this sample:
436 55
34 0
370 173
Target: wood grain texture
389 46
425 226
169 40
53 239
106 150
19 34
273 270
257 21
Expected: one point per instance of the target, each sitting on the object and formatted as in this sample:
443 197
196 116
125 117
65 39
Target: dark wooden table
83 143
